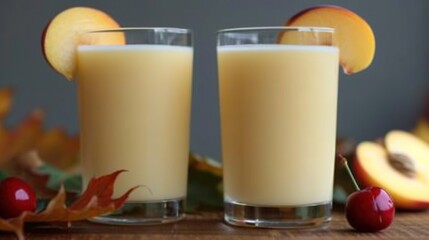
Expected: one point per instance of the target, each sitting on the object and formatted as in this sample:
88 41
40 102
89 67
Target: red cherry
16 196
370 209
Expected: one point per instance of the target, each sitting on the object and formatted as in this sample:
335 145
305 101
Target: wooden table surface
209 225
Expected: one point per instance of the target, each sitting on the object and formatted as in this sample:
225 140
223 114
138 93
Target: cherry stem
346 165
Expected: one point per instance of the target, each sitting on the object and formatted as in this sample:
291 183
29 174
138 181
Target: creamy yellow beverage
278 119
134 105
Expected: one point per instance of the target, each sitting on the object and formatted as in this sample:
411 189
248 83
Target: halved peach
413 148
353 35
401 168
64 33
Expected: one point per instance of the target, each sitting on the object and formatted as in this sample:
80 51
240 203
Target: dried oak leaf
25 136
95 201
14 225
58 148
5 101
21 138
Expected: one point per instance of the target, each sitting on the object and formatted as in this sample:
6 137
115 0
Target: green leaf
56 176
72 183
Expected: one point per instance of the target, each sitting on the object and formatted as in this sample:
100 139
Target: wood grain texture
203 226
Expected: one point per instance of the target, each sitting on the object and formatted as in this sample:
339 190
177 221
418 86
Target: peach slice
401 168
63 34
353 35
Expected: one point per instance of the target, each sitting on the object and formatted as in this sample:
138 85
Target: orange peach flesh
372 168
416 149
62 36
353 35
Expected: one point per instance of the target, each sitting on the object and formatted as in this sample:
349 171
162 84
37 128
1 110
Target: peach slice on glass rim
64 33
353 35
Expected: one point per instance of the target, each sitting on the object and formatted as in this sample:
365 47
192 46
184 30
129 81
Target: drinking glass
134 92
278 105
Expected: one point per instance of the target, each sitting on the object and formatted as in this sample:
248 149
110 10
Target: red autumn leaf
102 188
95 201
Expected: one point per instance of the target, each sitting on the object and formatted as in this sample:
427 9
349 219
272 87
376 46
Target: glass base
289 217
145 213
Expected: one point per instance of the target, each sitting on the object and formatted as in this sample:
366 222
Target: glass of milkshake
278 106
134 111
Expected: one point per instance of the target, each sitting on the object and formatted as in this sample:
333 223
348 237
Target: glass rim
284 28
154 29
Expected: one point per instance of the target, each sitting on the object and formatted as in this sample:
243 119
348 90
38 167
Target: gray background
391 94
